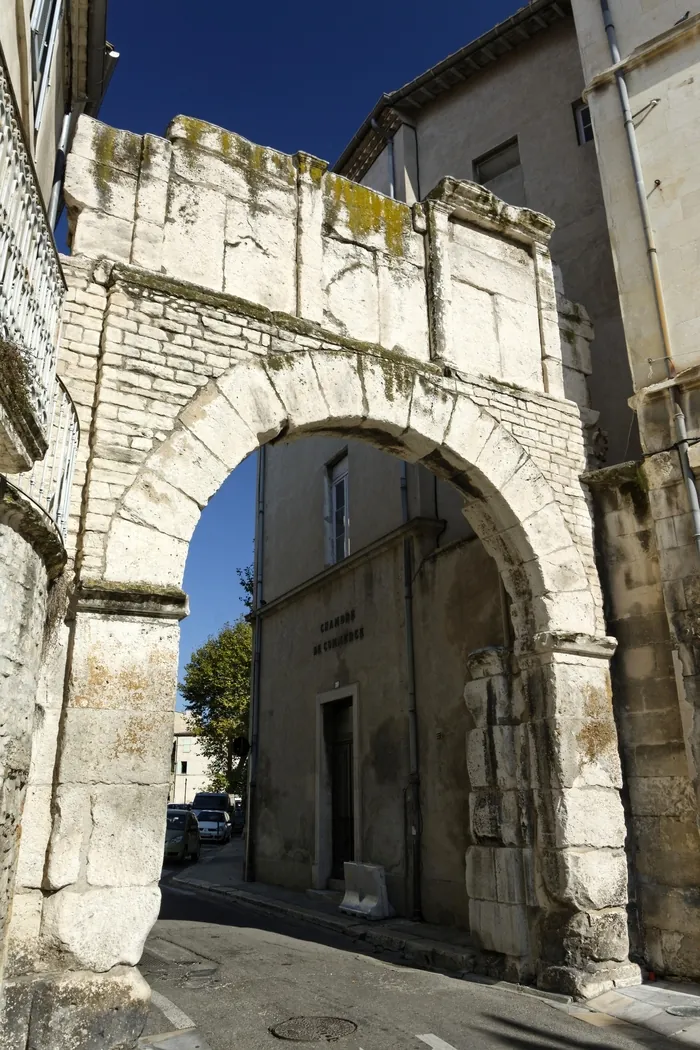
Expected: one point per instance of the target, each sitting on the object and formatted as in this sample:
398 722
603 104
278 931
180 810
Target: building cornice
420 526
670 40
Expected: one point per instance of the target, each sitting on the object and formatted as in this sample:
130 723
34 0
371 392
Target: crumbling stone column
679 559
101 893
547 873
31 555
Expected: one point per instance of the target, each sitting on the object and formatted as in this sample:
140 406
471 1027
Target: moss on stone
113 150
16 376
120 587
150 281
368 212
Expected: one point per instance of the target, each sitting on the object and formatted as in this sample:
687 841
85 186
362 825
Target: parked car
211 800
182 837
214 825
179 805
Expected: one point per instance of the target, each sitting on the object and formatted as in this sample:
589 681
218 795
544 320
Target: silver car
214 825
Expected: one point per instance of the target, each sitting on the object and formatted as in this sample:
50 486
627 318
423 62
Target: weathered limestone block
310 171
96 929
132 546
500 927
71 827
248 388
403 314
126 852
29 552
591 816
23 939
260 257
342 389
296 384
586 879
515 877
429 416
75 1009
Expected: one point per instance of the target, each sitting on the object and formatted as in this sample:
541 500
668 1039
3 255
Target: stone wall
31 554
176 381
653 723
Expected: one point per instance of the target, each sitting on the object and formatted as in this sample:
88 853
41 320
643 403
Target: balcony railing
49 481
32 287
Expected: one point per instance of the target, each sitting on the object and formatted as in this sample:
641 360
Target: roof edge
515 22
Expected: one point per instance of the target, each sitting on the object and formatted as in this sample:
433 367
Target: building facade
349 531
54 65
189 767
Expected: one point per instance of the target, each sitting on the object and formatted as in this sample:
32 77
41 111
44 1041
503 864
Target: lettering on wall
350 632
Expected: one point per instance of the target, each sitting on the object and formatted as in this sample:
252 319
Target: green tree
245 579
216 691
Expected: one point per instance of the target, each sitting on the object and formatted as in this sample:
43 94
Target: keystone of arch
419 416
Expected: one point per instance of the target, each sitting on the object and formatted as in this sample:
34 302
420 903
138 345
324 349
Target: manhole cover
684 1011
311 1029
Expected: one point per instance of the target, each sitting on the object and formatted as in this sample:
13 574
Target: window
584 124
45 26
183 767
500 171
186 745
339 521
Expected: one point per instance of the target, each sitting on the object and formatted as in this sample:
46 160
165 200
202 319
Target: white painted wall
187 748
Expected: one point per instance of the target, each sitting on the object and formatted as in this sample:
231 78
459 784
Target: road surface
238 973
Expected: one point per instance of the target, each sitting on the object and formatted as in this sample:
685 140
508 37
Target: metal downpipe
415 822
254 720
681 434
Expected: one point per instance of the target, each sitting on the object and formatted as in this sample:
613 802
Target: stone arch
546 874
417 416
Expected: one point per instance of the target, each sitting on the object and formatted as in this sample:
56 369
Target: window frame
337 471
579 107
490 155
44 29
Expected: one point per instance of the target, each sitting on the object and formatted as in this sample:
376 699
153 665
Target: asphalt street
236 973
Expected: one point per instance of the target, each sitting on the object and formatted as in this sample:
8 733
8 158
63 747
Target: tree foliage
245 578
216 691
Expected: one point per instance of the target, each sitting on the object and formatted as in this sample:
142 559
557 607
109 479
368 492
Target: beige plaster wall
457 610
295 541
561 179
663 90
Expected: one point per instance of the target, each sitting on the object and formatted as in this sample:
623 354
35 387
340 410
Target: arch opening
533 844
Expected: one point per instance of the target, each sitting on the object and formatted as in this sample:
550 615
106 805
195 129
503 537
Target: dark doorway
341 762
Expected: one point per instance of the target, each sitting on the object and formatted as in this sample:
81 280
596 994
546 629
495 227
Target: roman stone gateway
222 295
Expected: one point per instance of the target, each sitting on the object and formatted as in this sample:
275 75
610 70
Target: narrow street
234 973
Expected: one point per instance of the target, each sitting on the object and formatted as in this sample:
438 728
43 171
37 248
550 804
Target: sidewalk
664 1008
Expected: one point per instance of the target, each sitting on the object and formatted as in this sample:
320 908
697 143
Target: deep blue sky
292 76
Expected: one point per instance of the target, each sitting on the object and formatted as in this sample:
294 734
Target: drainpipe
679 423
414 769
258 561
60 168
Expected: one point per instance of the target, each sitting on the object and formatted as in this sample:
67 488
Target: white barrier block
365 891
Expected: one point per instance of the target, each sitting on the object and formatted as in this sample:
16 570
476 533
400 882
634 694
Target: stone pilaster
104 857
547 874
